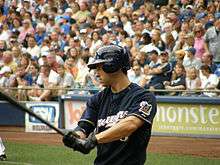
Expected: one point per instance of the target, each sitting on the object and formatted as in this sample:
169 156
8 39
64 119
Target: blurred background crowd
45 45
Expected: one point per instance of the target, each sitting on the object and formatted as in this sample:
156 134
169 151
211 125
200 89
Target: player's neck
120 83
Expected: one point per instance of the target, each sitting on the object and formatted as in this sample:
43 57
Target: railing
90 91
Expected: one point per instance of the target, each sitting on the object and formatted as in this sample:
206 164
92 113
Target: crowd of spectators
46 44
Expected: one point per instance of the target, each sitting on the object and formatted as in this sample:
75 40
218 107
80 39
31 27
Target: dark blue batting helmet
112 57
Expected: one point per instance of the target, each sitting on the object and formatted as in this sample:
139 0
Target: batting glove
69 139
82 145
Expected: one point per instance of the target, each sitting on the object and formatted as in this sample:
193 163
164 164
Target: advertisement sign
197 119
46 110
73 112
176 119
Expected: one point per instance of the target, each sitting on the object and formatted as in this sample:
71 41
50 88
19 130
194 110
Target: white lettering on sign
197 114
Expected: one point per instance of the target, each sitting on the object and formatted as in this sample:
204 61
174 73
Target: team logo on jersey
145 108
112 120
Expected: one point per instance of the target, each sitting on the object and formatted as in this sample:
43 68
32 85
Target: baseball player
118 120
2 151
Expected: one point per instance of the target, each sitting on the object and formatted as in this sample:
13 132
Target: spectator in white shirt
33 49
209 81
190 60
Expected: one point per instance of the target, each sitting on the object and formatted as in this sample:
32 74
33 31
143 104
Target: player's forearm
120 130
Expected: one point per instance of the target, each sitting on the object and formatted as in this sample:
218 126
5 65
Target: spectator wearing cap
117 28
83 36
209 81
199 43
190 60
207 59
160 73
68 12
202 17
33 49
64 24
26 29
212 40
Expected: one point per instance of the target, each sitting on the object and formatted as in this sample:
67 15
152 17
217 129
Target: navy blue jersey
180 80
105 109
164 76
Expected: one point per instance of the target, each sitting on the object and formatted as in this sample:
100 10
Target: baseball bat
23 108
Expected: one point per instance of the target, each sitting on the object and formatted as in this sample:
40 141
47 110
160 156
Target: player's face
103 77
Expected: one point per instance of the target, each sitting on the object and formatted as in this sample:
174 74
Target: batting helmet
112 57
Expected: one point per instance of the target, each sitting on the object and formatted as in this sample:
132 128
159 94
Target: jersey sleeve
167 68
88 119
144 107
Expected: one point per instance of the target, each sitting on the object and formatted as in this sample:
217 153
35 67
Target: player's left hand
69 139
82 145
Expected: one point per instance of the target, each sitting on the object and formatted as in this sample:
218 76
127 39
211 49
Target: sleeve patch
145 108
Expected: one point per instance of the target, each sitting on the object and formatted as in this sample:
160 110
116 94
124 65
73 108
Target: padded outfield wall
176 116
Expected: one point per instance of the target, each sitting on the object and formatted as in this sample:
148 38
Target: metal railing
90 91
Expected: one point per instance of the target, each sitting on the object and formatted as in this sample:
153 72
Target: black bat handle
25 109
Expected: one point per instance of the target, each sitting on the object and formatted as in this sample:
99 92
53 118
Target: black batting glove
82 145
70 138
